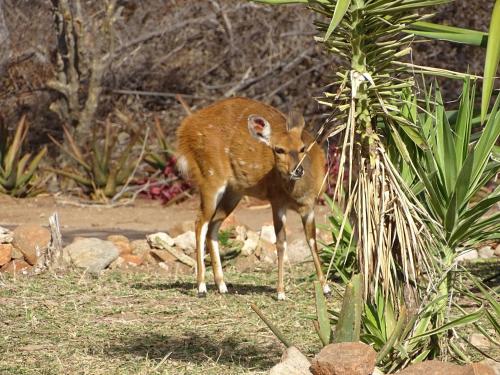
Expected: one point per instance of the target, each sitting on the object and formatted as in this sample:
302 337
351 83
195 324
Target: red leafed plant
166 184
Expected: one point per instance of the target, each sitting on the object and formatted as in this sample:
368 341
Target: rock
435 368
16 266
6 235
180 228
16 254
250 244
347 358
186 242
497 250
163 256
156 239
121 242
229 223
246 263
117 238
30 237
132 260
486 252
479 369
469 254
293 362
495 366
117 263
92 254
5 253
241 233
267 234
298 251
479 340
266 252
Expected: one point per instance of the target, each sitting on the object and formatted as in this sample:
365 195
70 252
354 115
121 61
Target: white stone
157 239
93 254
469 254
267 233
250 244
186 241
293 362
479 340
241 233
6 236
486 252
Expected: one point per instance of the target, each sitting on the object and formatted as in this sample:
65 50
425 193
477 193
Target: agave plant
18 170
102 167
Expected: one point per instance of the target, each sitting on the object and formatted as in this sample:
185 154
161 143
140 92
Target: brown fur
220 151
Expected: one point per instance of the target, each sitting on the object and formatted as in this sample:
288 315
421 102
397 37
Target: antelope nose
297 173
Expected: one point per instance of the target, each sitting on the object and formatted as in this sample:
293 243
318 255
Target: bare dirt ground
135 220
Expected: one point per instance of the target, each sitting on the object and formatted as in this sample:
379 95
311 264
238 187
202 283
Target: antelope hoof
222 288
202 290
281 296
326 290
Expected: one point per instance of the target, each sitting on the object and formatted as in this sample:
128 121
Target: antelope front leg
279 219
310 230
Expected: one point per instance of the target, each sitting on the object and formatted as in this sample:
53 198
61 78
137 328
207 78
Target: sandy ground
135 220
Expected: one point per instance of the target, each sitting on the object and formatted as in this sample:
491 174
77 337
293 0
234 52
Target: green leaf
448 33
339 12
492 59
463 320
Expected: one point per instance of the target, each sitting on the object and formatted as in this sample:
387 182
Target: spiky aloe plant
18 170
101 167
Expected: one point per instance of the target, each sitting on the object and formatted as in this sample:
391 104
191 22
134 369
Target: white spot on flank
183 166
281 296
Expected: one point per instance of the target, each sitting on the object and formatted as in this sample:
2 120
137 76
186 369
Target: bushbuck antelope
239 147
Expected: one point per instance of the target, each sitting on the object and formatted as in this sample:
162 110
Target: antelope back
240 141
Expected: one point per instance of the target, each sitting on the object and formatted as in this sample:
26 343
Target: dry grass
143 323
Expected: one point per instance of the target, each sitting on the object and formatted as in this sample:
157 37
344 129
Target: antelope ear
260 129
295 121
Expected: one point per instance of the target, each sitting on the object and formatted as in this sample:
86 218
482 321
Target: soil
134 220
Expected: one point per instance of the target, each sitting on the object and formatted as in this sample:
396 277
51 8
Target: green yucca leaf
492 59
340 9
448 33
463 122
461 321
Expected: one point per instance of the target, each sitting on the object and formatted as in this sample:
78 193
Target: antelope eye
279 150
302 150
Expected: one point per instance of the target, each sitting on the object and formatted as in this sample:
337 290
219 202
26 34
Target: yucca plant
17 169
390 227
448 175
102 166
